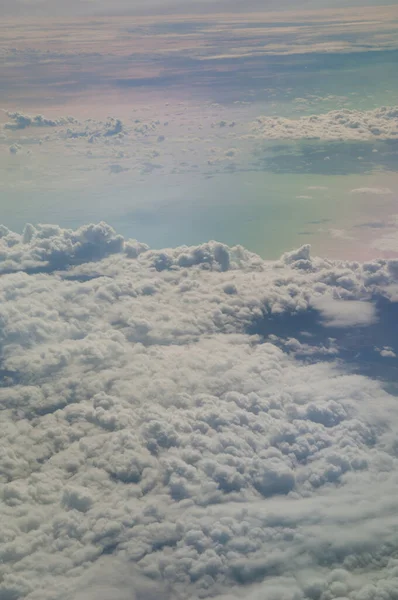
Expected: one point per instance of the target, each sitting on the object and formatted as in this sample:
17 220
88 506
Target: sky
153 123
34 8
198 300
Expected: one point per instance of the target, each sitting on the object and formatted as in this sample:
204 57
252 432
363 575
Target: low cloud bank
378 124
155 443
23 121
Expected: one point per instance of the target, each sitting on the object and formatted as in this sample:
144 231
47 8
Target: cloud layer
380 123
22 121
159 441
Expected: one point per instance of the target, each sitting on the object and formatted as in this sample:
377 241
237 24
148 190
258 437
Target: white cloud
154 445
380 123
22 121
116 580
94 131
387 352
372 191
346 313
340 234
50 247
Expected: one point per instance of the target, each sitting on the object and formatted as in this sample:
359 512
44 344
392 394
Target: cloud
69 128
48 247
340 234
380 123
14 148
113 127
372 191
157 442
387 352
115 168
22 121
94 131
349 313
114 578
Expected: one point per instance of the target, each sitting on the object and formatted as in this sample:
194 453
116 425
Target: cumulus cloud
49 247
380 123
94 131
113 127
22 121
159 441
69 128
110 578
387 352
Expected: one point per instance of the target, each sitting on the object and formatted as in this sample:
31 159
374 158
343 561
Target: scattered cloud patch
95 131
387 352
113 127
14 148
372 191
23 121
380 123
345 313
340 234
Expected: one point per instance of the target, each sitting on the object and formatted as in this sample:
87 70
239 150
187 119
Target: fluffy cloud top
22 121
158 441
380 123
49 247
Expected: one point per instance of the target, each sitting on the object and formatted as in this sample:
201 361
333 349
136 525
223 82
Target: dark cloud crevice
358 347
